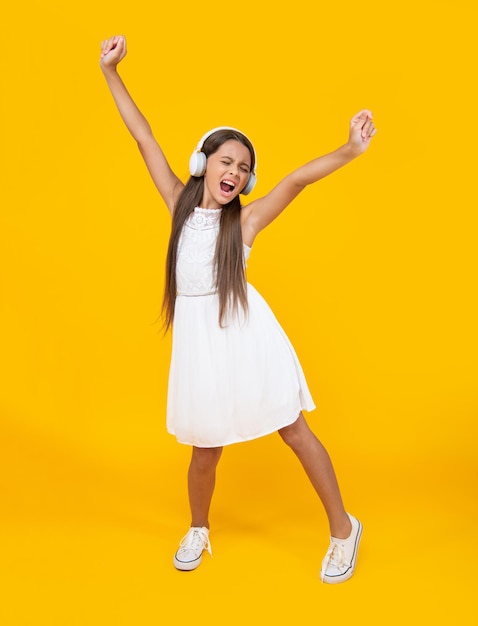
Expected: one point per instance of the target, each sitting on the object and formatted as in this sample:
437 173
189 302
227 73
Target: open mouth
227 186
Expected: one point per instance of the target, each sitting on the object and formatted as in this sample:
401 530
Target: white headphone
197 161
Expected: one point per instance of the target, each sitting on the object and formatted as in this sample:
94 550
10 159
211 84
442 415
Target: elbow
144 138
299 181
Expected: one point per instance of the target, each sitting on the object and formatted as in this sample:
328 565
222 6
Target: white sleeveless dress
234 383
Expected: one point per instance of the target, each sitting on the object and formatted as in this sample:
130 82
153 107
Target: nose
233 169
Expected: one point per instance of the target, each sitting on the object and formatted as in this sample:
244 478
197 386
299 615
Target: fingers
363 122
368 130
116 42
119 42
106 46
362 116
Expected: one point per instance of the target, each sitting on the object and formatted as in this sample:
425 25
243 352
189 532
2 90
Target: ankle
199 524
341 528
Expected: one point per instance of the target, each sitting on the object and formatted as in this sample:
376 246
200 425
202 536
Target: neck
211 206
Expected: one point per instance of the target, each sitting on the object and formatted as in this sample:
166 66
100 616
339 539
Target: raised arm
113 50
263 211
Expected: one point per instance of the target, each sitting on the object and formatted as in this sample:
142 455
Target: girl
234 375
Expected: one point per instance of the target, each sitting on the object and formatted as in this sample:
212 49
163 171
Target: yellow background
372 273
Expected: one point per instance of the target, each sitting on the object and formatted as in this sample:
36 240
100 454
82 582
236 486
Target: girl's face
227 172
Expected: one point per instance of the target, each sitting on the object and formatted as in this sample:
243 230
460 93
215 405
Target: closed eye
244 167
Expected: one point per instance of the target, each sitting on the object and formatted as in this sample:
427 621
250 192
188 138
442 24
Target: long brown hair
229 257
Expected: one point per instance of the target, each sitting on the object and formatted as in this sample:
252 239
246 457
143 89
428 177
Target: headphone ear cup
250 184
197 163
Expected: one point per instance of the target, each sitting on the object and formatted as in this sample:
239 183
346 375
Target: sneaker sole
187 566
333 580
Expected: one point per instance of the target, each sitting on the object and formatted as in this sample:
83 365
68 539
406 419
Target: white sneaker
339 562
191 547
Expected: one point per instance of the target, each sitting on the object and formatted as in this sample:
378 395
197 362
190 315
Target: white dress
234 383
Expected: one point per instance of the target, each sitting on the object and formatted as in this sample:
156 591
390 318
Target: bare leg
201 482
318 467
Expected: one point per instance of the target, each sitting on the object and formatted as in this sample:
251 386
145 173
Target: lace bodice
195 274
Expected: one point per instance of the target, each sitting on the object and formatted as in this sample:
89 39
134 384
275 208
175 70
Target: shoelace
335 556
197 540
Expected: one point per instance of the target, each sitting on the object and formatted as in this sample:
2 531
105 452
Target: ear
250 184
197 163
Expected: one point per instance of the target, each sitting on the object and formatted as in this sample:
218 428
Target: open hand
113 50
362 129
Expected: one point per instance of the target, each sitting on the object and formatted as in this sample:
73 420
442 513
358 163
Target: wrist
349 152
107 69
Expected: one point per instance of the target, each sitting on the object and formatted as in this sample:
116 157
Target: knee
293 434
206 459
